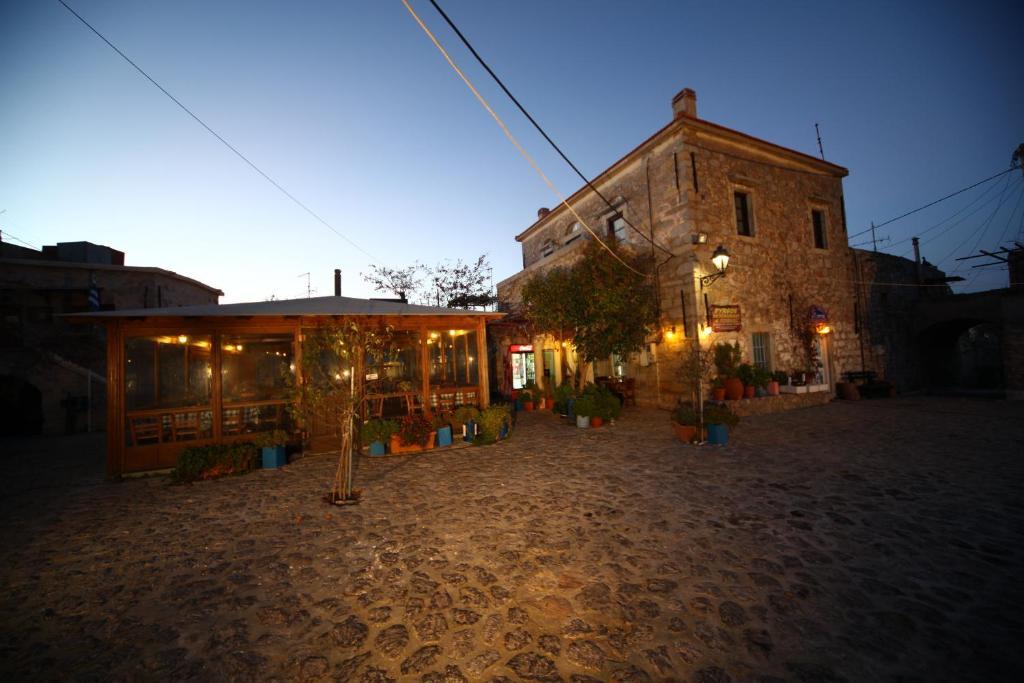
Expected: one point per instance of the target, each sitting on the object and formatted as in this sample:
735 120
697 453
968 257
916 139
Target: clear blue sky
350 107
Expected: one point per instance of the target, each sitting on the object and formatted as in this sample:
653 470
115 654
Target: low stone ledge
778 404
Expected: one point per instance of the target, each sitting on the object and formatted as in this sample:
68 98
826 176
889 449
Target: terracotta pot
528 406
718 393
749 391
733 389
684 433
773 388
596 421
848 391
398 447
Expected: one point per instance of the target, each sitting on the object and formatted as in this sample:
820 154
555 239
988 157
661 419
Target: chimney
685 104
337 282
542 211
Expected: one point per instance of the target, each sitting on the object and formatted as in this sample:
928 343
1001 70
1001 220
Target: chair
145 430
185 426
231 421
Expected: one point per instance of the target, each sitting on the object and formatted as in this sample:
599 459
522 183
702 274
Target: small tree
402 282
332 365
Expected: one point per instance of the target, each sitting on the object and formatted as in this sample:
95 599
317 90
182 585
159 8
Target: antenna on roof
309 288
821 150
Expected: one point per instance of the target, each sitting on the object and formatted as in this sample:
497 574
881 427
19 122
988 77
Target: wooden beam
483 366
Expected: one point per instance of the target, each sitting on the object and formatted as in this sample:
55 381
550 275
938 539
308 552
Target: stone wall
680 183
43 349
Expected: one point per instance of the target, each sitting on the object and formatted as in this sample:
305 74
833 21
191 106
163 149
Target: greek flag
94 294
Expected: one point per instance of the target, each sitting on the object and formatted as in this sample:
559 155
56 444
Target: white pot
583 421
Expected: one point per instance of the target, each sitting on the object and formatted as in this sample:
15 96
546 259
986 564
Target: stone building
691 187
52 373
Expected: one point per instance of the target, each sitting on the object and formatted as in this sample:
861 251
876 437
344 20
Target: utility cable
980 231
1013 167
952 225
513 140
4 233
536 125
217 135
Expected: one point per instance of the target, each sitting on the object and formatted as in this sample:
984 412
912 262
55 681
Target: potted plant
465 417
717 420
684 422
493 420
563 395
779 377
530 395
415 433
606 406
443 427
377 433
584 408
745 374
762 377
718 389
727 359
272 448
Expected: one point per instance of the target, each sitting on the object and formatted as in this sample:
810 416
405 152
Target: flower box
397 447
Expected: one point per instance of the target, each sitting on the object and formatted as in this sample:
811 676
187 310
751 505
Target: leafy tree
599 304
402 282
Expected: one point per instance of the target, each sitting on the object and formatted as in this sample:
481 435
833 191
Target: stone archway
963 355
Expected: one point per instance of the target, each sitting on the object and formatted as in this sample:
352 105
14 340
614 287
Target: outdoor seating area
197 375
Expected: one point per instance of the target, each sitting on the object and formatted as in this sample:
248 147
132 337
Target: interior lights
182 339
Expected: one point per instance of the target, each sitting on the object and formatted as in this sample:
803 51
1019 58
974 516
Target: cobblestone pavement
870 541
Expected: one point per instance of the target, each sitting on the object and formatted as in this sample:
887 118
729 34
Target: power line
6 233
217 135
980 231
536 125
508 134
951 216
1013 167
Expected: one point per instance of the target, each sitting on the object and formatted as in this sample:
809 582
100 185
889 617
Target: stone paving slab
851 542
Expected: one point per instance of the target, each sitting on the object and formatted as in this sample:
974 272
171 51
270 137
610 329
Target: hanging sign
817 314
725 318
520 348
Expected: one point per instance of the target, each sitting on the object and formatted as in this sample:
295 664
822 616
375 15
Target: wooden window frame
748 200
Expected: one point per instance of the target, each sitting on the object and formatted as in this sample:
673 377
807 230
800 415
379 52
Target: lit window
744 225
818 225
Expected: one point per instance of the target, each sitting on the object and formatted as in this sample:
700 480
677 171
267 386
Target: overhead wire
215 134
5 233
508 134
1013 167
981 230
501 84
952 225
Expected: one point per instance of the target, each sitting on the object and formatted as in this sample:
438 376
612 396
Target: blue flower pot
274 456
504 430
444 436
377 448
718 434
519 404
470 431
570 406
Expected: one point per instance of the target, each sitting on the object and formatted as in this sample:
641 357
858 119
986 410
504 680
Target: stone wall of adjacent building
43 353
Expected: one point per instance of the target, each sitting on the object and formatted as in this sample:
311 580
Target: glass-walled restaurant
180 380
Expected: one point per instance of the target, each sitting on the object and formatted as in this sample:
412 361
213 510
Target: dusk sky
351 108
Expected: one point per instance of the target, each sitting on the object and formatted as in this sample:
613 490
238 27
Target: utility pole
874 243
821 150
917 258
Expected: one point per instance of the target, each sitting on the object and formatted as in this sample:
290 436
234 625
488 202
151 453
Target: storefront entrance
523 363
